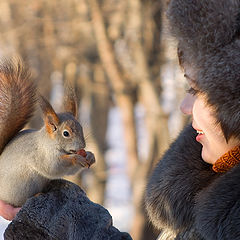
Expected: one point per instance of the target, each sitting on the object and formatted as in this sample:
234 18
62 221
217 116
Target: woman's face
210 134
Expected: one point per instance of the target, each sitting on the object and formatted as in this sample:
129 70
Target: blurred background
119 56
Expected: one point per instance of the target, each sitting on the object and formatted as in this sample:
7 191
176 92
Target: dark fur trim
186 197
63 212
204 24
218 208
174 183
208 32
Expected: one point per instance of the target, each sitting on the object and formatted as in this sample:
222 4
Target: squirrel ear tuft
51 119
70 101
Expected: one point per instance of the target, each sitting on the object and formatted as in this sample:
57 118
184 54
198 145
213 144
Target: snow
3 225
118 192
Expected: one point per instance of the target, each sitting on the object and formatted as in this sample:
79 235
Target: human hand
7 211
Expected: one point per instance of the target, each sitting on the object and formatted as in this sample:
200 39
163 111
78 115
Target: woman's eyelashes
192 91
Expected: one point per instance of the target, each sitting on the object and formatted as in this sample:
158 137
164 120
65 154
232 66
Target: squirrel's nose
79 145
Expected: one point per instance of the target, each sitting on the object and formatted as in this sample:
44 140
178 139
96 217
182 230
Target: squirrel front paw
76 159
85 161
90 158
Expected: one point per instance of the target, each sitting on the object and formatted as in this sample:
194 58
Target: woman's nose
187 104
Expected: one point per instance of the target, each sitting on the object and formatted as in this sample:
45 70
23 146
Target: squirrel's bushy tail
17 99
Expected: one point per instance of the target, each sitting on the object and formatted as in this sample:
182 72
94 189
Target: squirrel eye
66 133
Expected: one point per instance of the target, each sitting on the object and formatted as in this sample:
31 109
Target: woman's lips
200 134
199 137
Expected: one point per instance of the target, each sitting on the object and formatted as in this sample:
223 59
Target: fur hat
208 33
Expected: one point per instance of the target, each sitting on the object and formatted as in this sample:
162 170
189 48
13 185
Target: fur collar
217 208
184 193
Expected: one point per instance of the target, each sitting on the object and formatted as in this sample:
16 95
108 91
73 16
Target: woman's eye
66 133
192 91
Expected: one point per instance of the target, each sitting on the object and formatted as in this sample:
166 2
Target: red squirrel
31 158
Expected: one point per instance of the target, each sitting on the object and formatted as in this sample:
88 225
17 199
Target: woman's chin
206 156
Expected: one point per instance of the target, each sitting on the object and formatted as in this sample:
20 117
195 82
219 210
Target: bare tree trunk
100 102
156 120
118 84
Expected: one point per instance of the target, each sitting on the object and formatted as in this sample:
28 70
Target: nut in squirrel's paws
82 152
86 158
